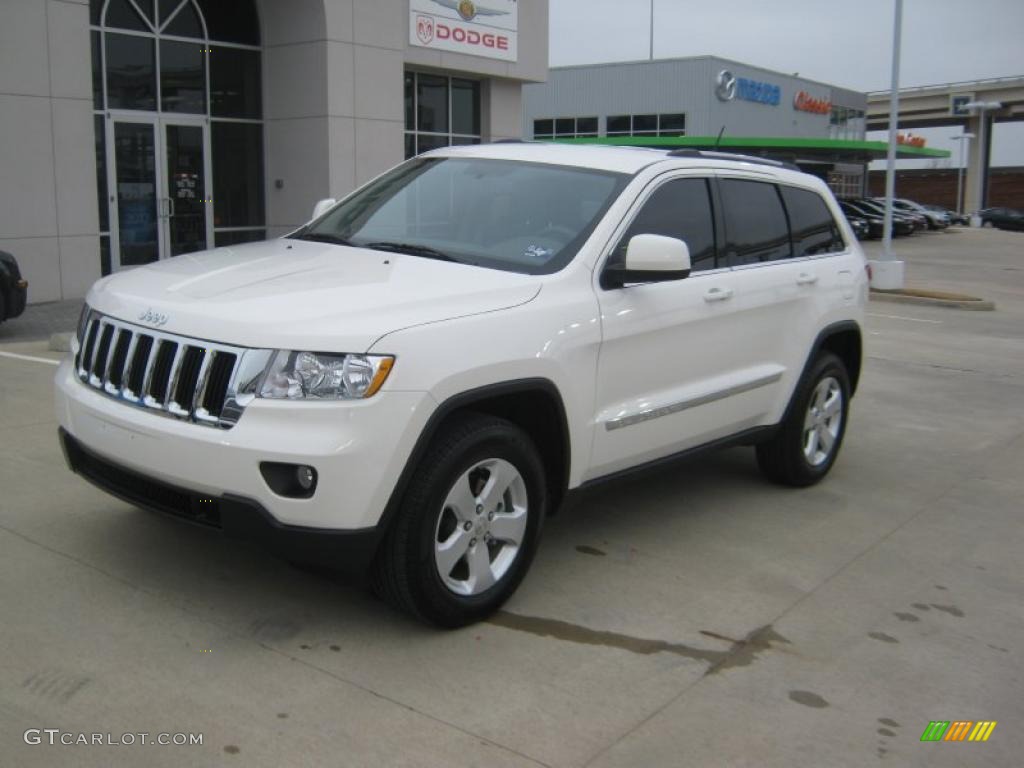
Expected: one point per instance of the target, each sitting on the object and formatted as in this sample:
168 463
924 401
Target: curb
969 303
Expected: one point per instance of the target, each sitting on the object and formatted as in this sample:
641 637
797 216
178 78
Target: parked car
1002 218
955 218
860 227
918 220
933 219
901 225
13 288
411 382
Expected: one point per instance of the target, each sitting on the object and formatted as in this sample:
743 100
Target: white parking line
910 319
46 360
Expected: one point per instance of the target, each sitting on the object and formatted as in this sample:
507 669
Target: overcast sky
836 41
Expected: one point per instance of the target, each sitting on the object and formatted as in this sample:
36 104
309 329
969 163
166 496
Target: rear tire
807 443
468 525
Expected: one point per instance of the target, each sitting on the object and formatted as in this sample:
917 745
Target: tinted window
182 77
432 99
586 125
465 106
645 123
810 221
237 174
234 82
682 209
131 76
618 124
755 222
543 127
233 21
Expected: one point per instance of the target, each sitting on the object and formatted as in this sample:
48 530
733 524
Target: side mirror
322 207
650 259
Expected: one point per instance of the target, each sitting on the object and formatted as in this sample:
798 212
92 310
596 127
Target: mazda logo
725 85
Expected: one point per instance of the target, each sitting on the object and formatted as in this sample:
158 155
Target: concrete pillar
977 172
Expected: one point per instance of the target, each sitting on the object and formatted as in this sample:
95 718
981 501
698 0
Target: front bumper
237 517
358 449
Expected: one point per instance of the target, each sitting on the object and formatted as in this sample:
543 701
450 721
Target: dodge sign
478 27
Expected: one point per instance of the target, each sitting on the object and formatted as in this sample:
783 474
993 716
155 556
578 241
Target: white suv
411 382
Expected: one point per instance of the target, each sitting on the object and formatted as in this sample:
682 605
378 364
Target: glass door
135 204
186 222
160 177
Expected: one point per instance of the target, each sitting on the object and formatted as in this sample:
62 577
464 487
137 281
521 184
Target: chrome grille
188 379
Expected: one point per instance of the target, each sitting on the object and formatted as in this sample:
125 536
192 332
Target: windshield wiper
323 237
412 249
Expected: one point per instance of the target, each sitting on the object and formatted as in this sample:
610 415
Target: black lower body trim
237 517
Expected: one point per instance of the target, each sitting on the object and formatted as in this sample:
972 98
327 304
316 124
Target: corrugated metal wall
681 85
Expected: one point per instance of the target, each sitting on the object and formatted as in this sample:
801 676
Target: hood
293 294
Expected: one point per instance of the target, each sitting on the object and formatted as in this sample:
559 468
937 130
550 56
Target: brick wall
938 186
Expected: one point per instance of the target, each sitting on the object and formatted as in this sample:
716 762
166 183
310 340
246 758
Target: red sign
910 140
807 103
460 34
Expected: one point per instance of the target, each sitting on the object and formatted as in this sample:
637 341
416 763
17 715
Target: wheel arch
535 405
842 339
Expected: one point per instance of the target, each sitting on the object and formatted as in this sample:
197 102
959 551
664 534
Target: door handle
805 278
170 207
717 294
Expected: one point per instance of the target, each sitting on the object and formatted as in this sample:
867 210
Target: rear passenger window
814 230
755 222
680 208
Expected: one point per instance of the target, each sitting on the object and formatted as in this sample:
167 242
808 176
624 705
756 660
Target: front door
160 201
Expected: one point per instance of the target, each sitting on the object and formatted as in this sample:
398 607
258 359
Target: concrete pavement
696 616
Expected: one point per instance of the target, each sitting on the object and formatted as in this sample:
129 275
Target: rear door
778 240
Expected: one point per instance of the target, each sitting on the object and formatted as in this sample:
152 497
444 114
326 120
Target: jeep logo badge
153 318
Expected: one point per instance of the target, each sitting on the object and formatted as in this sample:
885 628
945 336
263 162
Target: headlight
319 375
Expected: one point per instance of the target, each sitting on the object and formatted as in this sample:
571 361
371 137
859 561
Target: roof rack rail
711 155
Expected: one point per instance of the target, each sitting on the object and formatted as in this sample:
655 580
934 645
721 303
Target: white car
411 382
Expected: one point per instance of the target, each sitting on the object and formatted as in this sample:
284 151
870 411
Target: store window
183 79
565 128
440 111
670 124
847 123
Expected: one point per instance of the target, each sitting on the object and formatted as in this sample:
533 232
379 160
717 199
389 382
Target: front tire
807 443
468 524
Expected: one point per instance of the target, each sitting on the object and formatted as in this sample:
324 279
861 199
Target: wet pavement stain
282 715
998 648
906 616
808 699
921 606
888 721
231 749
54 684
952 610
939 586
335 648
883 637
886 732
740 654
583 549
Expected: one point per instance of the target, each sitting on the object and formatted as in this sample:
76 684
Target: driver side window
679 208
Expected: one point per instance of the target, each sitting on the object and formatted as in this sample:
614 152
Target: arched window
191 69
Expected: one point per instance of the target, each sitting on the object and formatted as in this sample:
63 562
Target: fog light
306 477
294 481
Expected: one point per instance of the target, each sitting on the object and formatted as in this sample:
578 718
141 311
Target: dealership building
704 102
136 130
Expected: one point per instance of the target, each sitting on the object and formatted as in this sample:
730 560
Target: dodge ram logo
425 29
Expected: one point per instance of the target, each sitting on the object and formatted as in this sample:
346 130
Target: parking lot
693 616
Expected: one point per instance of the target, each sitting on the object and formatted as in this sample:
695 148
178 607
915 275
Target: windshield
503 214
